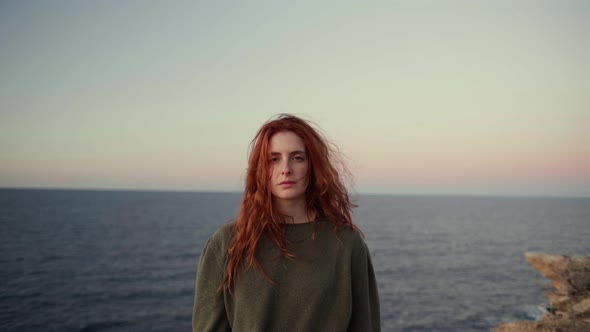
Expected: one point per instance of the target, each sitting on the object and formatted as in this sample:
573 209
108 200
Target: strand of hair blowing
257 217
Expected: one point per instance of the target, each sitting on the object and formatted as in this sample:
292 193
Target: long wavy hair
326 194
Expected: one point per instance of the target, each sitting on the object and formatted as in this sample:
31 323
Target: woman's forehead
286 142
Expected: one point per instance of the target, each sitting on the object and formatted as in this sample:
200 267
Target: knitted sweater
330 286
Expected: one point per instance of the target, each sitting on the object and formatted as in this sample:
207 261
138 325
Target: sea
98 260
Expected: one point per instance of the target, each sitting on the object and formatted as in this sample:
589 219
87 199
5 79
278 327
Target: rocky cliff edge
569 303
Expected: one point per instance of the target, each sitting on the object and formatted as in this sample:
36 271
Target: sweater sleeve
365 299
209 308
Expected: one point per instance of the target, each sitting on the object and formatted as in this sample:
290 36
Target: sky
421 97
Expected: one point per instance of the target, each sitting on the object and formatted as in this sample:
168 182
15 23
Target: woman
292 260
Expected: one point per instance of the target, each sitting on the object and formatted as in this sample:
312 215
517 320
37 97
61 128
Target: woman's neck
295 211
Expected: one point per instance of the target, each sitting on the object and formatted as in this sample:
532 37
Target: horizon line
368 193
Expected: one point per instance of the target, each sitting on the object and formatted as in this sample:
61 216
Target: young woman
292 260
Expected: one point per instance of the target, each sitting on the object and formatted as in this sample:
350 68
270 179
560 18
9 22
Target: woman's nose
286 168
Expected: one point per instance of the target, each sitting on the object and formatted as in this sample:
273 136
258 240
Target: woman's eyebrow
290 153
297 152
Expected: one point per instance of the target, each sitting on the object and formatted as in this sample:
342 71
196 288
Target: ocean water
76 260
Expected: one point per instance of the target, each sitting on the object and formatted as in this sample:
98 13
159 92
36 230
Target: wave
102 326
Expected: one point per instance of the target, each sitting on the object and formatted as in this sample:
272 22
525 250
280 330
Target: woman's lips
286 183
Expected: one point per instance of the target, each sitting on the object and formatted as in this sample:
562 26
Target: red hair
257 217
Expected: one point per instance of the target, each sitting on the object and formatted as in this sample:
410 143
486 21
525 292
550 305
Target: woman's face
289 165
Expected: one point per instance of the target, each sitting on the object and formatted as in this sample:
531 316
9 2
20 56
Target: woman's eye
299 158
274 159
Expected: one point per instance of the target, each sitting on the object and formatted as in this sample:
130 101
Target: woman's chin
288 196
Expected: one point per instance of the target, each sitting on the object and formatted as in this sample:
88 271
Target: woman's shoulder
221 237
349 235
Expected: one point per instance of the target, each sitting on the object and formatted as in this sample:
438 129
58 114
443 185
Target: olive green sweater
329 287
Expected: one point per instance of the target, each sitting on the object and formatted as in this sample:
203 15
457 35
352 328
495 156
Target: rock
570 302
582 307
550 266
517 327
